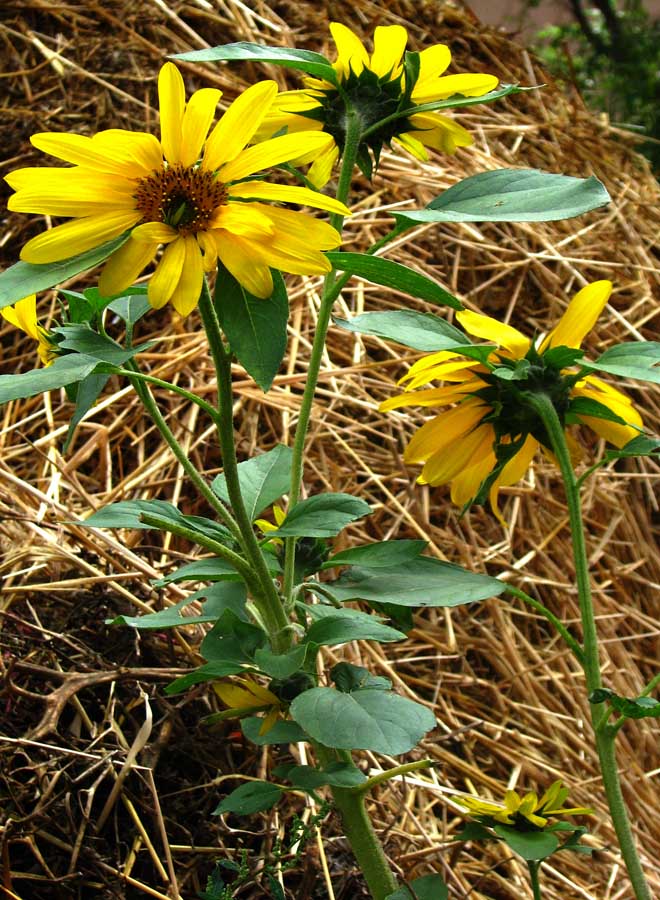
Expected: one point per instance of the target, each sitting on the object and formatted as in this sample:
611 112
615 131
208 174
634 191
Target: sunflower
245 696
191 191
523 812
377 86
488 438
23 315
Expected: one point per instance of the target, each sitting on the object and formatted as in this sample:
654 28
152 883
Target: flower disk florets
185 198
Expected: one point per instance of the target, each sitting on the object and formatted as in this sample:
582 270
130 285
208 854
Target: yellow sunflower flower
23 315
191 191
488 438
523 811
265 526
246 695
376 85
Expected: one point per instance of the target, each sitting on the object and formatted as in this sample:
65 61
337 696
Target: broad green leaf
252 797
280 665
528 844
81 339
340 629
255 328
24 278
474 831
281 732
349 678
132 307
375 556
263 480
642 445
231 640
585 406
639 360
631 708
420 331
165 618
428 887
511 195
303 60
393 275
323 515
309 778
66 370
207 672
127 514
219 597
423 582
212 569
87 393
363 720
339 774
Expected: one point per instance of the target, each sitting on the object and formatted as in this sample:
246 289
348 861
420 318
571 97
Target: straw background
105 798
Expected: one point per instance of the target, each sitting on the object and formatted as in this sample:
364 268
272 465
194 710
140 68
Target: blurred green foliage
611 52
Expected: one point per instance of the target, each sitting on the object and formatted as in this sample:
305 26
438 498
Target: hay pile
509 699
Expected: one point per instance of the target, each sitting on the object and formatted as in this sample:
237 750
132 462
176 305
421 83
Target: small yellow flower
523 811
247 695
23 315
465 445
191 192
375 84
265 526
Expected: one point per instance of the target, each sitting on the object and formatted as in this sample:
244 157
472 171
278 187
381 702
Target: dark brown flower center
184 198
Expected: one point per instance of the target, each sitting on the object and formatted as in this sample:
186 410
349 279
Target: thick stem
605 734
330 292
534 867
360 833
268 600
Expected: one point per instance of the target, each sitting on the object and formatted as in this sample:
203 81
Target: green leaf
423 582
363 720
631 708
87 393
420 331
281 732
511 195
383 554
344 775
642 445
340 629
280 665
255 328
127 514
207 672
428 887
212 569
585 406
132 307
220 597
323 515
232 640
64 371
263 480
458 100
303 60
165 618
81 339
349 678
308 778
639 360
528 844
251 797
393 275
473 831
24 278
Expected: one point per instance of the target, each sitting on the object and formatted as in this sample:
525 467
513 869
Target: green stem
534 866
330 293
605 735
395 772
211 411
147 399
360 833
552 618
267 600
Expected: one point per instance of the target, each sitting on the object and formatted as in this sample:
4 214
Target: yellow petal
238 125
580 316
432 63
78 236
125 265
320 172
436 434
447 462
491 330
466 483
172 101
244 264
432 397
197 119
154 233
450 371
413 145
389 45
186 294
23 315
298 232
269 721
236 697
244 219
106 156
351 55
466 85
512 472
263 190
439 132
273 152
166 277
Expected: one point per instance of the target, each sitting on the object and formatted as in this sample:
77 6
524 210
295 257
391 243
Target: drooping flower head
523 813
245 696
490 435
192 191
378 85
23 315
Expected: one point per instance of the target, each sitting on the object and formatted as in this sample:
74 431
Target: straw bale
509 699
